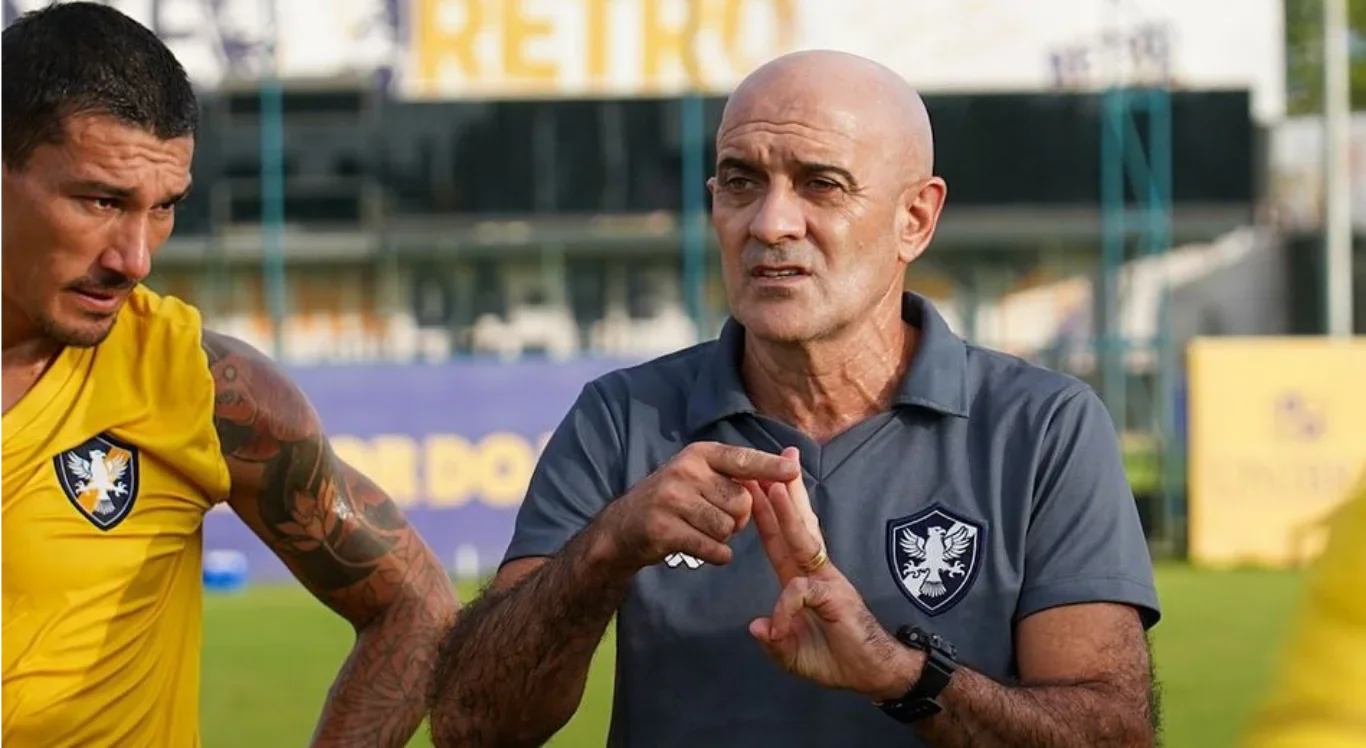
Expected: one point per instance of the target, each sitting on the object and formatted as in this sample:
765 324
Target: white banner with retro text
573 48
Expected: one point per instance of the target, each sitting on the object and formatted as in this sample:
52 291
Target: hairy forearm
378 698
511 672
982 713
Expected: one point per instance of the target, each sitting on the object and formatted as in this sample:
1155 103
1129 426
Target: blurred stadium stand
553 226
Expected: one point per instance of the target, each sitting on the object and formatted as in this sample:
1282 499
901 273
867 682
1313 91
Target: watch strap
921 701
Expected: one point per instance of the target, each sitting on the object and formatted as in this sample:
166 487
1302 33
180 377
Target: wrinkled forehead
782 127
104 150
103 140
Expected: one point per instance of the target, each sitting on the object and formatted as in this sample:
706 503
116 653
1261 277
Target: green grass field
270 654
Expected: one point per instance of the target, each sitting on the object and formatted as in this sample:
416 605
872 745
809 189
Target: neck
823 387
25 354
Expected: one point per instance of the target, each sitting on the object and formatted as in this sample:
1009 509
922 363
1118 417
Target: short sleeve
578 473
1085 542
1319 692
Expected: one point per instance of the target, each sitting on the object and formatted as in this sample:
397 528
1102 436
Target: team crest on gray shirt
934 555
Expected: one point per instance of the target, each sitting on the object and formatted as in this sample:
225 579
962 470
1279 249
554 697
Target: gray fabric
976 441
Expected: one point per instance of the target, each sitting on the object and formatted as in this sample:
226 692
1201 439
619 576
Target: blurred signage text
445 470
453 444
511 47
1277 440
447 49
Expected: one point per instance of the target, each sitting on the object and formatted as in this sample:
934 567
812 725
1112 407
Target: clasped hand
820 629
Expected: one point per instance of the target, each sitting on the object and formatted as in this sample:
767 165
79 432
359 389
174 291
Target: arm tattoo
341 536
1119 710
511 672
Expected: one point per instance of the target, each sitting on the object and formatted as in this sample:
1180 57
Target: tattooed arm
341 537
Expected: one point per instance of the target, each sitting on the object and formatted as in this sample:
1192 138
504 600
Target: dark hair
84 58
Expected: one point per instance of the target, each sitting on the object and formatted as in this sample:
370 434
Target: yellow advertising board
1277 440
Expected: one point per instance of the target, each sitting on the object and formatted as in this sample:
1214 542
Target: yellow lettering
661 44
439 45
506 462
388 460
1305 480
738 43
518 29
354 452
597 40
452 470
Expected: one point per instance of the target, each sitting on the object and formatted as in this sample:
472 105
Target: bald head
837 91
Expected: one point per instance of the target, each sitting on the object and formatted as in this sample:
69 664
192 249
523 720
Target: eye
737 183
101 203
822 185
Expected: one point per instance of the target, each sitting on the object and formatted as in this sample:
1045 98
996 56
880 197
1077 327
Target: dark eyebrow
730 162
808 167
102 188
173 199
123 193
816 168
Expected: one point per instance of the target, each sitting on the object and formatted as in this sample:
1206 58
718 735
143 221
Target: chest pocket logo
100 479
674 559
935 556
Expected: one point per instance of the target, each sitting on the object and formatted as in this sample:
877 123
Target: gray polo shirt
1013 471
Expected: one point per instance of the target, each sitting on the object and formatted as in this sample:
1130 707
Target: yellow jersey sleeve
1318 694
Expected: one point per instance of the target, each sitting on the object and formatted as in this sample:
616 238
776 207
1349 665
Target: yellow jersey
1319 692
109 465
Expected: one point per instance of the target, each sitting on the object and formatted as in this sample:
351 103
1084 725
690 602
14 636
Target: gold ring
817 561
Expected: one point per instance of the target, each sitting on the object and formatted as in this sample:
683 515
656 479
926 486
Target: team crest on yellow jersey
100 478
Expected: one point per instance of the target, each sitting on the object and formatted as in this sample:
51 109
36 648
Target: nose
779 219
129 253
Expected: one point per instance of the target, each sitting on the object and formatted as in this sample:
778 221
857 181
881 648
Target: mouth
778 273
97 300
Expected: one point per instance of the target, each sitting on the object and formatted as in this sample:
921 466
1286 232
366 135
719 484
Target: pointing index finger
742 463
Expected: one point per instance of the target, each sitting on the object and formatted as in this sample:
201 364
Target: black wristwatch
920 702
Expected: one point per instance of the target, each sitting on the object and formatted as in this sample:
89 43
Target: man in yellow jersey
1318 695
124 422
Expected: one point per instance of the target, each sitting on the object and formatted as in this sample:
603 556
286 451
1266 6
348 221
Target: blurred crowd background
446 216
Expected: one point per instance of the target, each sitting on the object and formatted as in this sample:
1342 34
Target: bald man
838 524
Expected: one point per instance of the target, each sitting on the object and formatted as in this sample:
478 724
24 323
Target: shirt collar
936 380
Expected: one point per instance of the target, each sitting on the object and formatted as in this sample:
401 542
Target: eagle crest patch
100 479
934 556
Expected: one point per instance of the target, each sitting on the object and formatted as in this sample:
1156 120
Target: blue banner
454 444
